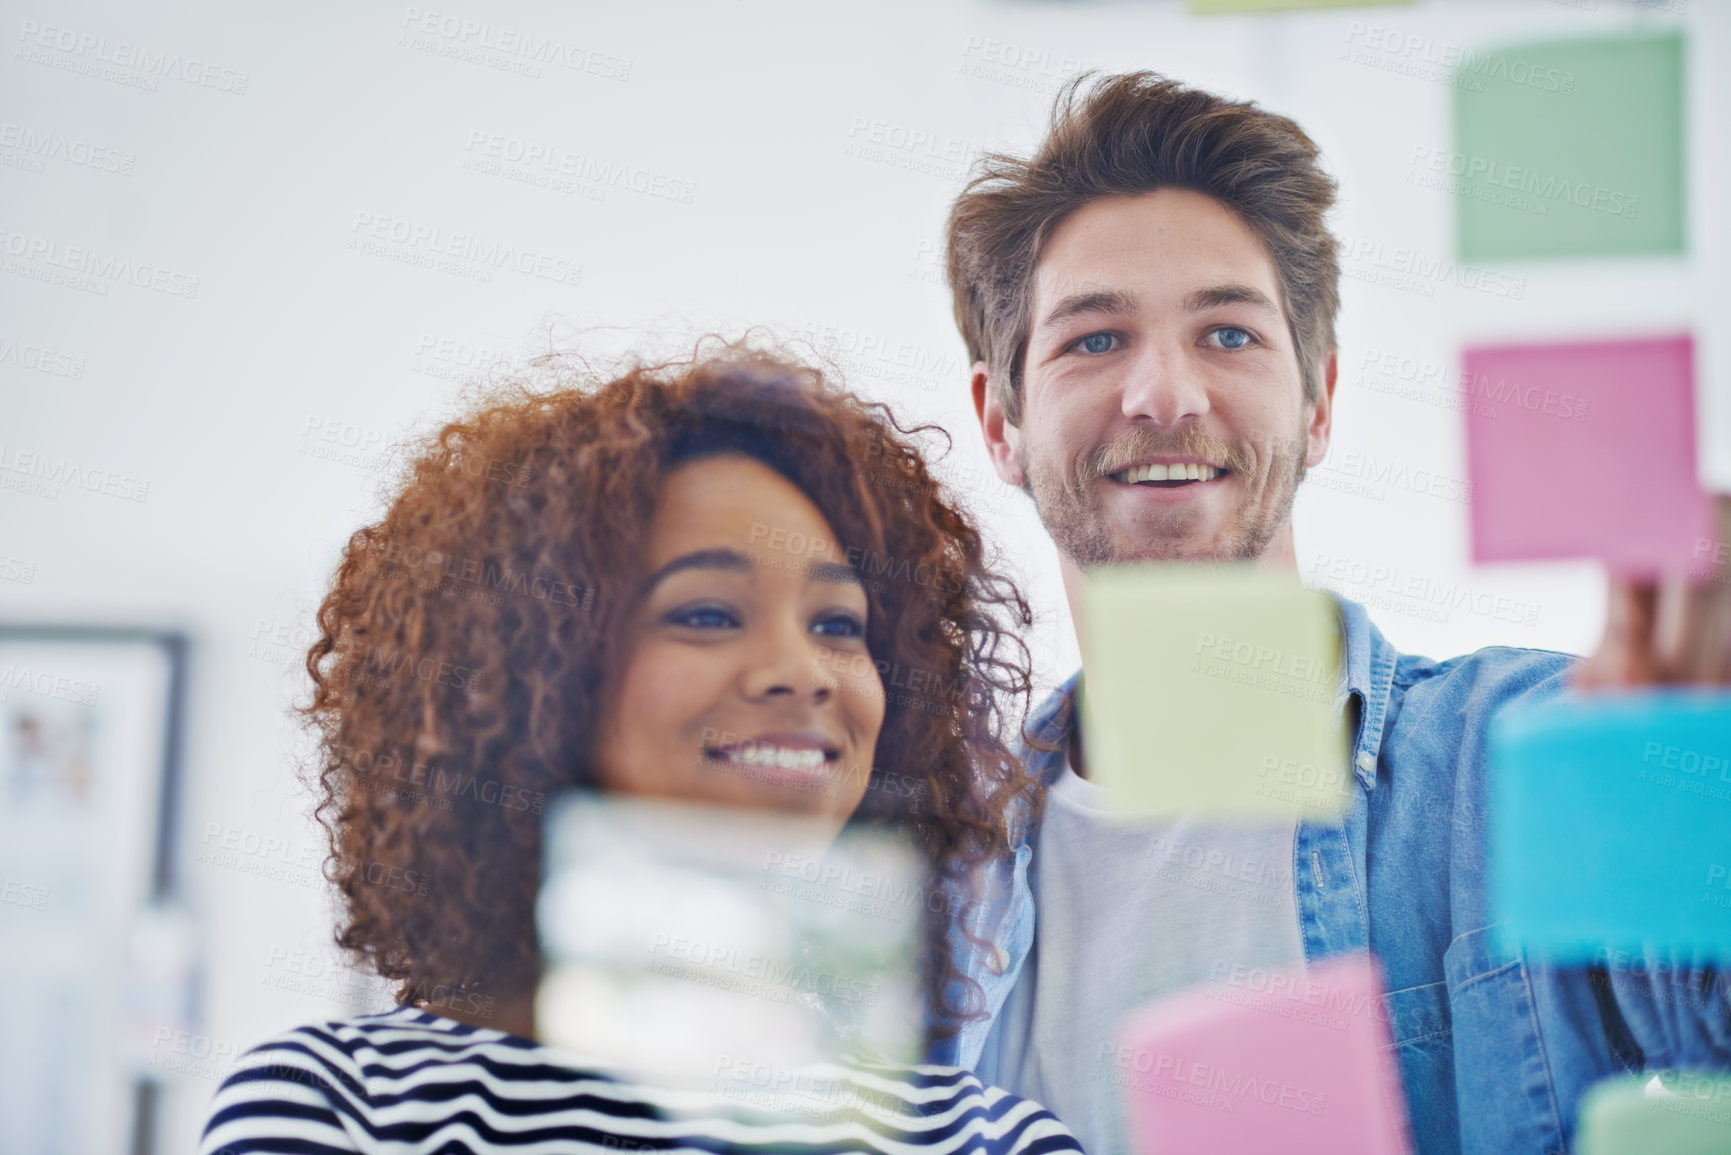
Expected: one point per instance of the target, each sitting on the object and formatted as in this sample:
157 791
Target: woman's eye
1232 337
840 626
1097 343
704 617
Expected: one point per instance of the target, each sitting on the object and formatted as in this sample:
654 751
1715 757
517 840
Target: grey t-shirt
1124 914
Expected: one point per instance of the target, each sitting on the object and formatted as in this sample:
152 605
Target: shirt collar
1367 674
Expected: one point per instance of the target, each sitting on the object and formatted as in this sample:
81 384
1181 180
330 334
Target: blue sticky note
1610 824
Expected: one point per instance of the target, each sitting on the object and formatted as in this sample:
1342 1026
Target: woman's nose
789 661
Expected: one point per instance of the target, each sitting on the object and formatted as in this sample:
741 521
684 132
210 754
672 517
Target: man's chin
1109 531
1188 535
1089 554
1210 543
1183 550
1091 535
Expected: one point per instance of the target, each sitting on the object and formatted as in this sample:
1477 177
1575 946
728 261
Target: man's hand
1675 632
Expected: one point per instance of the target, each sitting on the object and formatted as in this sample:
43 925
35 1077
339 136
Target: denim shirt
1494 1049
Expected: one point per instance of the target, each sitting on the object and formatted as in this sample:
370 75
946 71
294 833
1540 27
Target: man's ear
1003 440
1322 416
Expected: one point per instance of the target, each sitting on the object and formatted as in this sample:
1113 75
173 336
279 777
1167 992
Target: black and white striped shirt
409 1081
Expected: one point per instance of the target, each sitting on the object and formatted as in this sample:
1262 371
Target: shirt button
1367 762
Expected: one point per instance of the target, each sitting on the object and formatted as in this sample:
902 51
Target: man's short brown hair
1128 135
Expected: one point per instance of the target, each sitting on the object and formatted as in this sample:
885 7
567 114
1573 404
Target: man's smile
1170 474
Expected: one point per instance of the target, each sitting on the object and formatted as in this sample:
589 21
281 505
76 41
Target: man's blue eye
1231 338
1097 343
844 626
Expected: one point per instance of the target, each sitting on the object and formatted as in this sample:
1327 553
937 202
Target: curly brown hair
468 636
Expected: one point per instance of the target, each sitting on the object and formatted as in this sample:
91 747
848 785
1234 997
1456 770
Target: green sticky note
1689 1113
1211 689
1566 148
1213 7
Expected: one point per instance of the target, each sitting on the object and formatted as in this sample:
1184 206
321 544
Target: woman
684 583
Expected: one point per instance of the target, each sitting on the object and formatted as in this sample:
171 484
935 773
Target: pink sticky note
1296 1061
1585 450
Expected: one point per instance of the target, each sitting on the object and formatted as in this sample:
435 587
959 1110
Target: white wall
764 107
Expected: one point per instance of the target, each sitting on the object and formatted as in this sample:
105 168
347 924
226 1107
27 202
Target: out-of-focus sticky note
1610 824
1211 689
1299 1063
1567 148
1586 450
1686 1113
698 946
1218 7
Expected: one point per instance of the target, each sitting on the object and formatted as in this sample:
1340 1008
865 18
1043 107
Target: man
1149 303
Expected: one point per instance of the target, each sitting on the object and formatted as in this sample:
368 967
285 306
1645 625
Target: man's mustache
1192 442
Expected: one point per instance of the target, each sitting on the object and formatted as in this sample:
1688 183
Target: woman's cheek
874 700
676 680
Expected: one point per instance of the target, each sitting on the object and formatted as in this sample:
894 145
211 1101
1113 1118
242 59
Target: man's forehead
1155 248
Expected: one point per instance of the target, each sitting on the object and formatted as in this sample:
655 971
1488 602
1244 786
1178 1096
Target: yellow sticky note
1211 689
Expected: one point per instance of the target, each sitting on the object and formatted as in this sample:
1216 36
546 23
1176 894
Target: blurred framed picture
90 748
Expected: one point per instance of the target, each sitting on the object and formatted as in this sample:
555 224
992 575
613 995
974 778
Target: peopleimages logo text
1541 185
414 236
126 54
94 263
514 42
72 150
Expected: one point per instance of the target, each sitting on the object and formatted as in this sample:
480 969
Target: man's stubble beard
1082 533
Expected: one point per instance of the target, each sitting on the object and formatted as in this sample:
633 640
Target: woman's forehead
735 501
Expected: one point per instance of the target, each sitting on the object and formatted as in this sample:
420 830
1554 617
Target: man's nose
1164 386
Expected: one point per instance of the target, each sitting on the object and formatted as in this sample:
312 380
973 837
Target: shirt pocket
1421 1029
1504 1088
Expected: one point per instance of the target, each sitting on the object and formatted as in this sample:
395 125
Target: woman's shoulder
339 1083
388 1053
347 1045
